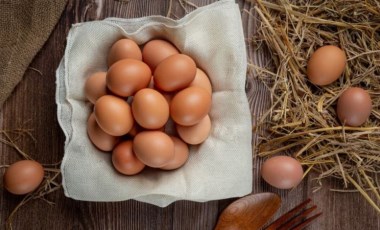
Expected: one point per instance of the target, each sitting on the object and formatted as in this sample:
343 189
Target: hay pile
302 119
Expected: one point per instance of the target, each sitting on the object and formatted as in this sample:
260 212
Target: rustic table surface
32 105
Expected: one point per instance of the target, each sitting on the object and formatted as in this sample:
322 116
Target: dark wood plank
33 102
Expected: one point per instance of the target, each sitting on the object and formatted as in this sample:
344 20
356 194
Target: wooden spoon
250 212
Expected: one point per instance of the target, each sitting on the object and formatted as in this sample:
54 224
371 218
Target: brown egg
124 160
354 106
197 133
174 73
153 148
123 49
113 115
23 177
95 86
155 51
190 106
150 109
282 172
326 65
181 154
201 80
128 76
98 137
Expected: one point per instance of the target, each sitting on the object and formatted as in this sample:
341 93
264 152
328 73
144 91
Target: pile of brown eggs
149 106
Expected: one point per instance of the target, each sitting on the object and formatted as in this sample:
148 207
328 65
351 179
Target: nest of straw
302 118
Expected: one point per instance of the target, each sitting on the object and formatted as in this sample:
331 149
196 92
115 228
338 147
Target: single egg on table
23 177
127 76
326 65
124 159
189 106
181 154
174 73
153 148
155 51
123 49
354 106
282 172
98 137
113 115
95 86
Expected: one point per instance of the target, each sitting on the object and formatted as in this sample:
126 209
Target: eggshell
153 148
95 86
354 106
155 51
113 115
282 172
197 133
127 76
124 159
150 109
181 154
326 65
174 73
190 106
202 80
123 49
23 177
98 137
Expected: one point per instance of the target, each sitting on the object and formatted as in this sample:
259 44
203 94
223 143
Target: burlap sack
24 28
219 168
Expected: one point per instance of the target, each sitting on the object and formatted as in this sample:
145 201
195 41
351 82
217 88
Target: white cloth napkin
219 168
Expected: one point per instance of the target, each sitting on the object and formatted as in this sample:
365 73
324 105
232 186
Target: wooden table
32 105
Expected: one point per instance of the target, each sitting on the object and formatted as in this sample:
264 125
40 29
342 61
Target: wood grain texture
32 105
250 212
